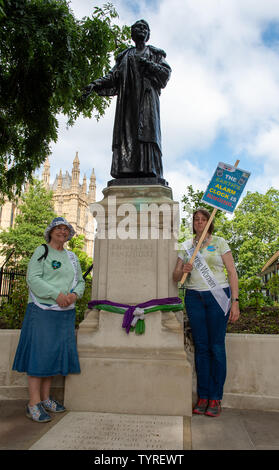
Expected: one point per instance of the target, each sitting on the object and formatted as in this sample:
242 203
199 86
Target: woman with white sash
47 345
211 300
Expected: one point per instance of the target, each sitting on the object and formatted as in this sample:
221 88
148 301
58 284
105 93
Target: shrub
250 293
82 304
12 311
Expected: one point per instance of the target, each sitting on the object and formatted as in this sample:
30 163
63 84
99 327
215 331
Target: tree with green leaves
1 8
251 292
76 244
47 57
35 214
253 232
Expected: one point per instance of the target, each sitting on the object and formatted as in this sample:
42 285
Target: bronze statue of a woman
137 78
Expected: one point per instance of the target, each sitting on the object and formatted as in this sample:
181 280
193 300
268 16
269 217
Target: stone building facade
71 200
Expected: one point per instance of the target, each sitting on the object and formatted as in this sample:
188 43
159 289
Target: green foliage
250 293
76 244
253 232
12 312
82 304
1 8
36 212
273 285
47 57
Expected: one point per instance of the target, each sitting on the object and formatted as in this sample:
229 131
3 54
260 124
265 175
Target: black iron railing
7 281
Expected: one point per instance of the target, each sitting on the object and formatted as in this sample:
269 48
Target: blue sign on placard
226 186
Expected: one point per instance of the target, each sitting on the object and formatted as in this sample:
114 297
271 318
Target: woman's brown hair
207 215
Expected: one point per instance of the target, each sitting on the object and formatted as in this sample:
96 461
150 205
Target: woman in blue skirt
47 344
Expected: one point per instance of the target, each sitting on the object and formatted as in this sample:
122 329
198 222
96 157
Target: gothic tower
46 174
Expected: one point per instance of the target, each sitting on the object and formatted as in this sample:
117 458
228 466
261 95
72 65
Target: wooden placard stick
203 235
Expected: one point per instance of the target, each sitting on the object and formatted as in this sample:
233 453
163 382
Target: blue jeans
208 324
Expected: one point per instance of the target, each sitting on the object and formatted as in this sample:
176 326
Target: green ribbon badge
56 264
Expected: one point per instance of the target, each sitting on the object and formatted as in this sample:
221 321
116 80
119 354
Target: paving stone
100 431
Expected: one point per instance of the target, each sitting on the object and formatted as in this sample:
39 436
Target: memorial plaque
102 431
132 269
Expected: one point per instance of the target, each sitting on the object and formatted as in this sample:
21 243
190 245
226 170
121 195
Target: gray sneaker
37 413
53 405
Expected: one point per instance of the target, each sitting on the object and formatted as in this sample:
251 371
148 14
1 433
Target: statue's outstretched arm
104 86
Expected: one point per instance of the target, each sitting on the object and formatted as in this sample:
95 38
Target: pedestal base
127 373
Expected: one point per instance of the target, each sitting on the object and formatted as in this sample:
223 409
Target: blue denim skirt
47 344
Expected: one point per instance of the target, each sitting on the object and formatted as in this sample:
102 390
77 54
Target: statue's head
140 30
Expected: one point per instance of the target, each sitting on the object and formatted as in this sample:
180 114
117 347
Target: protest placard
223 192
226 187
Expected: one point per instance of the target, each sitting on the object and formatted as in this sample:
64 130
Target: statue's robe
136 141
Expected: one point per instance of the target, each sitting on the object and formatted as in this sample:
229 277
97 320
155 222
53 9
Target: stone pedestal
128 373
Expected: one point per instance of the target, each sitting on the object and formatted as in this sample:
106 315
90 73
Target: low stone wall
252 375
252 372
13 385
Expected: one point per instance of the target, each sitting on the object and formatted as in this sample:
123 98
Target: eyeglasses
62 229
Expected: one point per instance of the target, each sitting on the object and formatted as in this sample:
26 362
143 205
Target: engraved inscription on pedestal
132 267
98 431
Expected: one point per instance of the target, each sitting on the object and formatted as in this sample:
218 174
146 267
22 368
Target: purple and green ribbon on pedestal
134 314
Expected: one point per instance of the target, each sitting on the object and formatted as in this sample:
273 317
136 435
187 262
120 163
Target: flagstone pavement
232 430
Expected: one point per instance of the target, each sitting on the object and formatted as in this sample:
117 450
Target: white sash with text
208 277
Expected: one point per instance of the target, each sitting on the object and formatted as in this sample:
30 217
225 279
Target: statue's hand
147 64
87 91
143 60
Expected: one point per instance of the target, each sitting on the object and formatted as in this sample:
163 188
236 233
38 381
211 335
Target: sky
221 103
